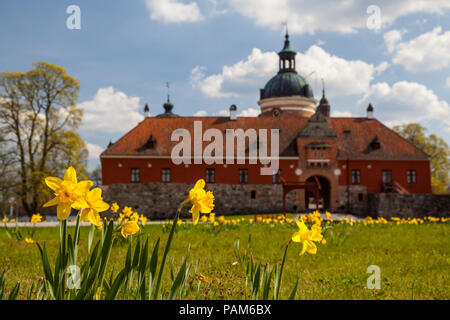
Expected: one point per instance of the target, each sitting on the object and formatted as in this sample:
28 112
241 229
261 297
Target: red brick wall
372 177
113 174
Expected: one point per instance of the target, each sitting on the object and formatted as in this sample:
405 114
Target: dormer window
150 144
375 144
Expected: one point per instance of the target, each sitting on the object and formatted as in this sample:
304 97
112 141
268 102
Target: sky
215 53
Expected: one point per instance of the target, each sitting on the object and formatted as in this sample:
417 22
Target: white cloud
111 111
200 113
94 150
427 52
224 113
338 73
406 102
250 112
244 77
346 16
240 77
391 38
170 11
447 83
341 114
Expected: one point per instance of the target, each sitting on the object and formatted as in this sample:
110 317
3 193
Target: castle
350 158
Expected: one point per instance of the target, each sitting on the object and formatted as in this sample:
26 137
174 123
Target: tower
287 94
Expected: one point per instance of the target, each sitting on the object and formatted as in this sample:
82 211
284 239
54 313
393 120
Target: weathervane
285 24
168 91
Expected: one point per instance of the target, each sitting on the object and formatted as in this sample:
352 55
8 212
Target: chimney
146 111
233 110
370 112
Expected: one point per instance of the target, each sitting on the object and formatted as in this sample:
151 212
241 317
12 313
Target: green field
414 259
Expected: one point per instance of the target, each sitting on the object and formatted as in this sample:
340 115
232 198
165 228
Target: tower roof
168 106
287 82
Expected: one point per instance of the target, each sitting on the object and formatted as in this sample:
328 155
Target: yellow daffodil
212 217
5 220
35 218
29 240
93 206
129 228
114 207
69 193
180 222
327 214
204 218
143 219
306 237
202 201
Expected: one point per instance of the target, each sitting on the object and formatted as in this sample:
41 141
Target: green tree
436 148
38 122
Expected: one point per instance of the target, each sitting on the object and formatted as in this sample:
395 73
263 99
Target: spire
287 55
146 111
168 106
324 106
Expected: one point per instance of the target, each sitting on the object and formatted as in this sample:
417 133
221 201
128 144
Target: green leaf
117 284
178 280
14 292
46 265
294 291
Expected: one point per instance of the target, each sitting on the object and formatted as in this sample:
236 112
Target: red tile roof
353 144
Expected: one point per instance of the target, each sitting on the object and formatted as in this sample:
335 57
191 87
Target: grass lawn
414 259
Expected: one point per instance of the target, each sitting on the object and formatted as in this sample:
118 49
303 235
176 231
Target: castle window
356 176
360 197
210 175
165 175
253 194
411 176
135 175
276 178
243 175
386 176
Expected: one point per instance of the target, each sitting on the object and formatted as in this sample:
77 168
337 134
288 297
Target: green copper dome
287 82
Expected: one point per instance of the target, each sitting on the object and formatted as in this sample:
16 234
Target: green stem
166 250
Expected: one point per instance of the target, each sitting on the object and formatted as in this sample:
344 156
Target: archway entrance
324 194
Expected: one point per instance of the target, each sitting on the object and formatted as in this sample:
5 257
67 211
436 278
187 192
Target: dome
287 84
168 106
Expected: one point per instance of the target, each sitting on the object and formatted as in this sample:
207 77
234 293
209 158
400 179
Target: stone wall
408 205
160 200
357 195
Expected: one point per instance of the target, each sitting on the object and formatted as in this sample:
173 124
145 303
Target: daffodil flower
29 240
94 205
35 218
306 237
114 207
202 201
69 193
129 228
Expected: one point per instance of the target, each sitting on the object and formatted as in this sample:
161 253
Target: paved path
334 216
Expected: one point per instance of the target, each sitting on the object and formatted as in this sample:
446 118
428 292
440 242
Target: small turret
324 106
370 112
233 111
146 111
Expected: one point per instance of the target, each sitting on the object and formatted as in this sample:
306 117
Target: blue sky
216 53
